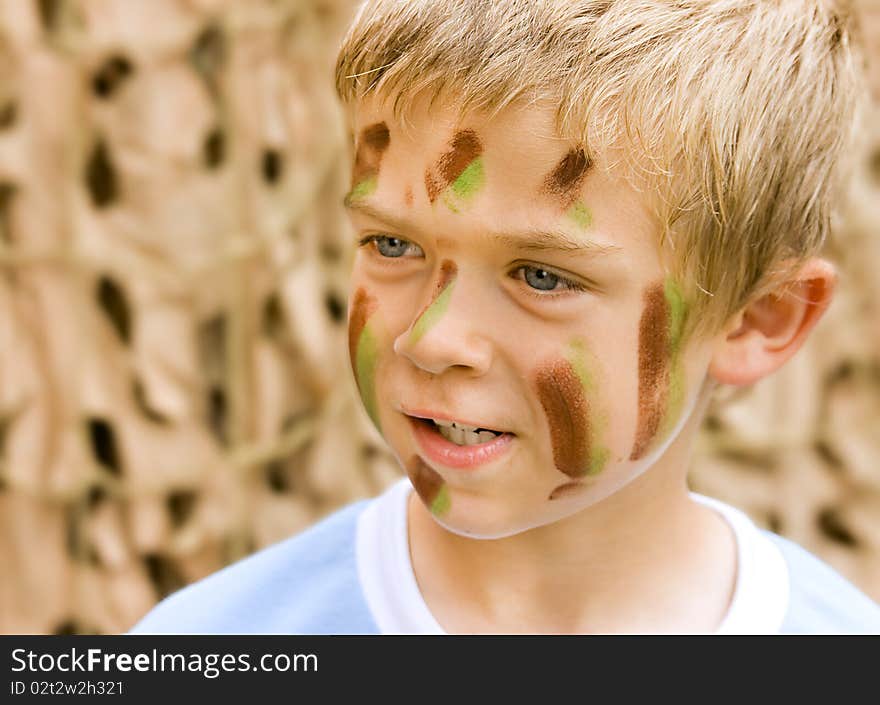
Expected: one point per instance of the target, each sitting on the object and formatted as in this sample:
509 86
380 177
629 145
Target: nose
446 333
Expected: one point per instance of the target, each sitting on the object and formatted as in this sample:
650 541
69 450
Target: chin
480 518
477 530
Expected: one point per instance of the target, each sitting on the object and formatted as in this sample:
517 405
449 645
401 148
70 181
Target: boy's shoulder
306 584
821 601
310 584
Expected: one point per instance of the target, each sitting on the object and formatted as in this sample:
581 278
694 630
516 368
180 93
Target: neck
646 558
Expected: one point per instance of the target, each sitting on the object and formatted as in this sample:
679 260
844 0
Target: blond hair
737 111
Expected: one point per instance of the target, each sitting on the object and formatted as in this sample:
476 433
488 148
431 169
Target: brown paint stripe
465 147
562 395
565 181
373 143
425 480
448 272
362 308
654 368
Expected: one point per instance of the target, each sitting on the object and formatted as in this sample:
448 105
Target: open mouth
455 444
459 433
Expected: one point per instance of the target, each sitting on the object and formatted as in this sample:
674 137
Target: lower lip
445 452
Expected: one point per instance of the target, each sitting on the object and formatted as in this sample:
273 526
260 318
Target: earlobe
760 338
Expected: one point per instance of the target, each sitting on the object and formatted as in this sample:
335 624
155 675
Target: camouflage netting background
174 381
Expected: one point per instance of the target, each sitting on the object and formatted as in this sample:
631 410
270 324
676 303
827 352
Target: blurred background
175 390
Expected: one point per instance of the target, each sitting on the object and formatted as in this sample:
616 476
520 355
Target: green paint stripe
363 189
450 202
678 310
365 366
675 400
432 314
598 458
678 313
471 180
599 454
441 502
577 358
581 214
466 186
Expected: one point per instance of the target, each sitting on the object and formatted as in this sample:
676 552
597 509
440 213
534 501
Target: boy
575 218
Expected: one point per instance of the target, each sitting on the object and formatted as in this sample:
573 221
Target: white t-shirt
759 603
351 574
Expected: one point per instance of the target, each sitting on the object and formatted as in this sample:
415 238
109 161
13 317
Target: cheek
567 411
661 365
429 486
567 390
363 349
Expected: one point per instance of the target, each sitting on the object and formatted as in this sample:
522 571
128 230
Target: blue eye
393 247
540 279
543 280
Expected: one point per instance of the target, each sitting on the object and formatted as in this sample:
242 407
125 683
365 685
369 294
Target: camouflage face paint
566 179
459 174
564 184
363 349
373 142
661 370
563 386
429 486
581 215
439 302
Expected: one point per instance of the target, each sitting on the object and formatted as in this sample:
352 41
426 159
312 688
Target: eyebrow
531 240
544 240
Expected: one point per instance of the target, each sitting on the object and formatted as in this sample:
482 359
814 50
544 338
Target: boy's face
504 282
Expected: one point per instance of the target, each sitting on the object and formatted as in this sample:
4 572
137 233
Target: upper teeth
462 434
455 424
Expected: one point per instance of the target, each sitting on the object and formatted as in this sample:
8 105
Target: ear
767 332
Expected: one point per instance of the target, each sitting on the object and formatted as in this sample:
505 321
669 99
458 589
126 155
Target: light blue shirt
314 583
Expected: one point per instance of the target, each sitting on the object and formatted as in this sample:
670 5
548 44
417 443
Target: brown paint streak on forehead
562 397
362 308
373 142
408 196
565 181
465 147
653 368
425 480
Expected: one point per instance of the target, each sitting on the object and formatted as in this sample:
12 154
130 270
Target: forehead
518 139
532 177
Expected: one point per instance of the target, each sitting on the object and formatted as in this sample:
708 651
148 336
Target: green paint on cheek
578 357
678 313
599 456
363 189
441 502
365 369
675 400
432 314
581 215
466 186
